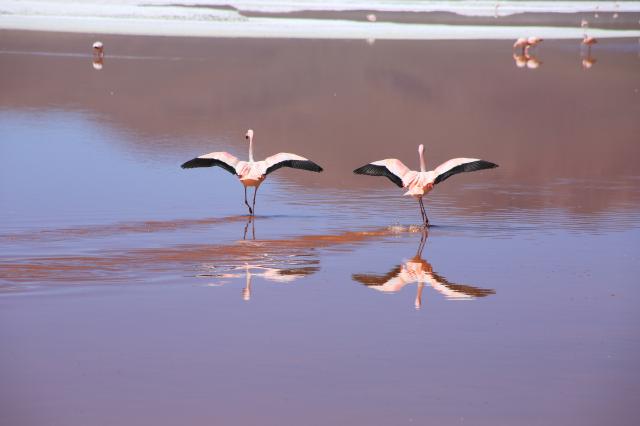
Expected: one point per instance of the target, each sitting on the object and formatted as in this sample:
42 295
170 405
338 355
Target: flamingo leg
253 230
424 213
418 301
255 191
246 228
423 240
246 291
246 202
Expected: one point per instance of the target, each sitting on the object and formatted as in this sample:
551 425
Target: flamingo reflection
98 63
527 60
248 271
417 270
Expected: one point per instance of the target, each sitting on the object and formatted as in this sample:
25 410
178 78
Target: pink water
135 292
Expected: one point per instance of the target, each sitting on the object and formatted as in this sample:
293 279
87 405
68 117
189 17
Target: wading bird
589 40
526 43
420 183
252 173
98 49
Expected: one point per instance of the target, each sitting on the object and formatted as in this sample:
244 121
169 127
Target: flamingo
251 173
526 43
98 49
589 41
417 270
420 183
520 43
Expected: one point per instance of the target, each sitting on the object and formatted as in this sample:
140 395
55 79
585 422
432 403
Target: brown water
135 292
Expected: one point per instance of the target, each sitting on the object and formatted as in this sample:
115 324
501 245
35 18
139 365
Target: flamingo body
252 173
98 49
520 43
419 183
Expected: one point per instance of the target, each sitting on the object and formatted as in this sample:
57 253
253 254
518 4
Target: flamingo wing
391 168
457 291
460 165
377 280
220 159
285 159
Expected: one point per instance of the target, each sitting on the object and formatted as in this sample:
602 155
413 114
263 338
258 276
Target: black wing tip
488 164
191 164
315 167
361 170
376 170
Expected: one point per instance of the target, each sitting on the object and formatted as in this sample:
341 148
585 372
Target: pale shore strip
294 28
179 19
461 7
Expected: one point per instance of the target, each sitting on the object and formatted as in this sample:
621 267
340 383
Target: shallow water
132 291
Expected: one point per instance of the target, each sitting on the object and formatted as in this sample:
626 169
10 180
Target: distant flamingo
589 60
520 43
420 183
98 49
525 43
252 173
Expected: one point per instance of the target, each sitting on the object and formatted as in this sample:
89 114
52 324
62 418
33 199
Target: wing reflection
283 267
417 270
278 275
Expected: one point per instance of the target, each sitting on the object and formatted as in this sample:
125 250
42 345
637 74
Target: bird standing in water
251 173
420 183
98 49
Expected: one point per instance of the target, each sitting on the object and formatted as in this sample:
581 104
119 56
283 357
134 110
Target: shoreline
300 19
298 29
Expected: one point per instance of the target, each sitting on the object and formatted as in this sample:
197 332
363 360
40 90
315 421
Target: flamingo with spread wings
251 173
420 183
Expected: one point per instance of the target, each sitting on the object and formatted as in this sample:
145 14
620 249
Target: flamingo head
249 135
420 149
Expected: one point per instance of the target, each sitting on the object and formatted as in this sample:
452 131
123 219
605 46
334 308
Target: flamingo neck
423 168
251 149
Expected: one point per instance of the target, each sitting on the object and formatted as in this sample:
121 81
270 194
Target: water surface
132 291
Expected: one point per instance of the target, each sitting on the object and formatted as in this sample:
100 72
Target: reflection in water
588 61
417 270
98 63
278 275
290 267
253 228
526 60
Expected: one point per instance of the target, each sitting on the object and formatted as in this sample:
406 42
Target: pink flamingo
420 183
589 41
525 43
98 49
252 173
